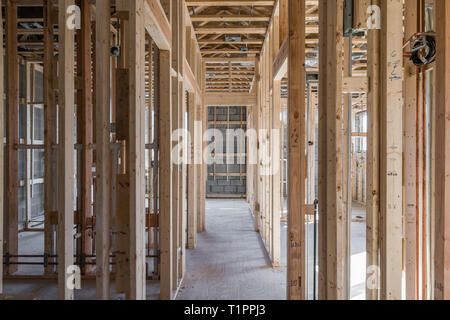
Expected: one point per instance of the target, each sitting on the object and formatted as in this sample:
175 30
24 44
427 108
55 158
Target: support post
373 163
391 150
136 148
332 234
276 177
412 81
2 121
66 101
296 286
12 135
103 151
84 103
165 172
50 137
203 146
193 186
257 207
322 178
442 178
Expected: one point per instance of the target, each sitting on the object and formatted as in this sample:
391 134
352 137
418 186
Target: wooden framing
193 188
2 121
66 101
373 170
50 134
85 124
332 240
12 131
135 150
442 228
391 173
166 172
177 58
296 156
276 177
99 151
412 83
103 152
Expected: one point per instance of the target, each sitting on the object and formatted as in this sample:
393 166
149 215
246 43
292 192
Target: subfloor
358 248
230 261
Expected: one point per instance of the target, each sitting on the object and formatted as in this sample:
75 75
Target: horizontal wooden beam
157 24
236 3
228 18
231 30
190 81
280 64
355 84
221 41
230 99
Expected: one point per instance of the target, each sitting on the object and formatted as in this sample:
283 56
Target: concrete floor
230 262
358 248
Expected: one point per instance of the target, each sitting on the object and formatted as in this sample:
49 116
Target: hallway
230 262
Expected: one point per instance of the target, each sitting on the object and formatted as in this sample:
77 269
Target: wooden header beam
230 99
280 65
157 24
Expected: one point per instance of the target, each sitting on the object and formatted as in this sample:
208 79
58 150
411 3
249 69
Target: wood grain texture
1 153
322 161
165 171
442 181
373 159
296 152
103 151
66 101
12 133
50 134
135 147
391 149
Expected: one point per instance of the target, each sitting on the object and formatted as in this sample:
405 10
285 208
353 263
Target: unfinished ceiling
226 31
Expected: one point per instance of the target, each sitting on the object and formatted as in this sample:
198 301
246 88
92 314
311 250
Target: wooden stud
197 160
103 152
256 207
284 18
322 181
193 187
1 151
332 239
276 177
410 119
442 177
66 101
373 163
296 153
12 132
135 147
391 173
204 168
50 134
85 109
165 171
